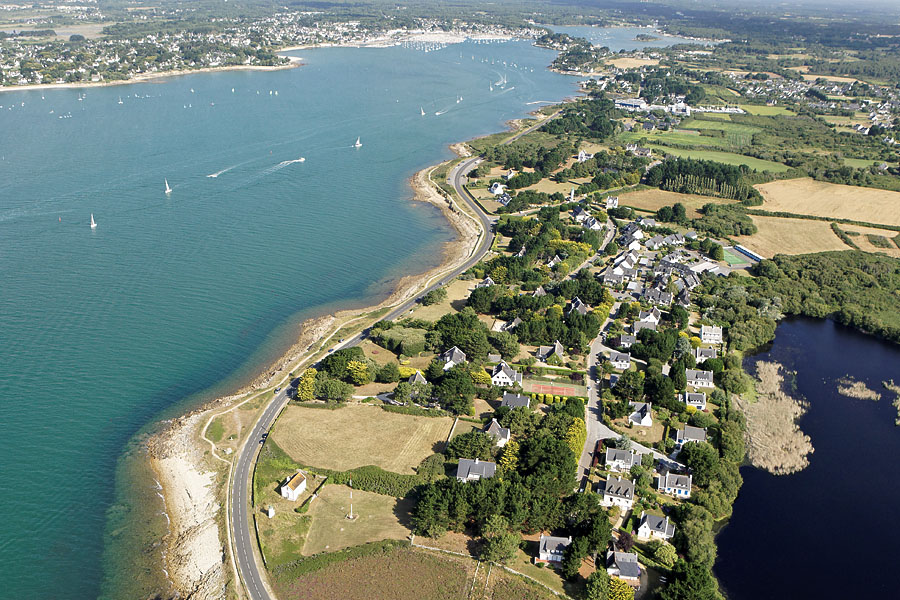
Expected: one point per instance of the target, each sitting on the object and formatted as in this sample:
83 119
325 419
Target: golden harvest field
777 235
810 197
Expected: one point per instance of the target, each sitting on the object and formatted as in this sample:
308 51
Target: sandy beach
194 480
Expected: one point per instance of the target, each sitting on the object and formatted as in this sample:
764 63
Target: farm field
777 235
766 111
864 243
379 518
403 574
729 158
810 197
736 133
681 137
654 199
358 435
859 163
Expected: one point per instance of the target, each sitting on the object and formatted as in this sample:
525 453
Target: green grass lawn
729 158
680 137
766 111
735 258
859 163
737 135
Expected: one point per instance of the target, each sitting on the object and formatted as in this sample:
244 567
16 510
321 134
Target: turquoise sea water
176 298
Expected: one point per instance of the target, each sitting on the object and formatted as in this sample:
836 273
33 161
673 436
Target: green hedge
310 564
325 405
373 479
416 411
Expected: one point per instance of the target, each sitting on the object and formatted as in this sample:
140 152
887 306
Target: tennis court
733 258
556 390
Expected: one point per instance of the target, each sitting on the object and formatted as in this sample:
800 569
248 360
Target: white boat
168 189
93 222
358 143
422 110
120 100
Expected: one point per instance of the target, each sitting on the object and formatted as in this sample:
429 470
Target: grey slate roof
554 544
657 525
691 433
617 455
625 562
471 468
515 401
454 354
417 377
619 488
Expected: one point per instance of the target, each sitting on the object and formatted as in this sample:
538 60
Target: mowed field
378 518
810 197
790 236
729 158
358 435
655 199
403 574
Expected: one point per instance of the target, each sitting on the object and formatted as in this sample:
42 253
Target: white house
710 334
545 352
652 526
695 399
473 470
699 379
651 316
496 188
641 415
552 549
505 376
689 434
702 354
486 282
612 202
500 434
452 357
584 156
620 460
675 485
618 492
623 565
620 360
510 174
580 307
293 486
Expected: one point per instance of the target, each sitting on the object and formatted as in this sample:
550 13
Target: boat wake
283 164
440 112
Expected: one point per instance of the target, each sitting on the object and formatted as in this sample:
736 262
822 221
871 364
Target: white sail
168 189
93 222
422 110
358 143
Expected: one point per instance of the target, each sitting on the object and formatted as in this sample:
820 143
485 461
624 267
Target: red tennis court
556 390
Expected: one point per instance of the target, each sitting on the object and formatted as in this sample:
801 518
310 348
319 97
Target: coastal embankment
194 474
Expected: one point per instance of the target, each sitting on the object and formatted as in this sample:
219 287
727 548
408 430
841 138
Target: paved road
242 536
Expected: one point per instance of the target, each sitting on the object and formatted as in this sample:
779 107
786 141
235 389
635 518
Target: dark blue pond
833 529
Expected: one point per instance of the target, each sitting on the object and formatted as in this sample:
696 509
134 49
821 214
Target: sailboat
120 100
93 222
168 189
358 143
422 110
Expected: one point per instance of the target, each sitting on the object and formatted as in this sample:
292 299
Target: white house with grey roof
695 399
618 492
504 376
612 202
702 354
689 434
674 484
500 434
620 360
417 377
497 188
623 565
619 460
551 549
486 282
452 357
515 401
699 379
651 316
473 470
545 352
654 527
710 334
580 307
641 415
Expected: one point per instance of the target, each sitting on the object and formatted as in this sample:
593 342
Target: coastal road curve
243 538
242 535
